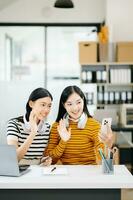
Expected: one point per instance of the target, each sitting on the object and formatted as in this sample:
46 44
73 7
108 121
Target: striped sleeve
56 146
12 130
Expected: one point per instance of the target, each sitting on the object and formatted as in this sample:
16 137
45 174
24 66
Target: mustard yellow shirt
82 147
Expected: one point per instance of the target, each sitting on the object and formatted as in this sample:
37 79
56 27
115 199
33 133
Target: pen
53 169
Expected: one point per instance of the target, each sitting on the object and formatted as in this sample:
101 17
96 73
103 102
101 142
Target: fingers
62 124
44 158
106 137
69 131
102 138
58 129
32 118
63 132
47 161
33 121
32 114
109 130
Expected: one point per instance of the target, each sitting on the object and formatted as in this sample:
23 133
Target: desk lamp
64 4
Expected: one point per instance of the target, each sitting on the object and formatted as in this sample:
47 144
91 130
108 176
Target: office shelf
113 80
113 86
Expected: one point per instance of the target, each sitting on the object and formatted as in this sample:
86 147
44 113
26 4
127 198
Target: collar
81 121
41 126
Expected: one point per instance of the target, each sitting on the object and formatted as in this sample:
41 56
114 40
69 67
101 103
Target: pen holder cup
107 166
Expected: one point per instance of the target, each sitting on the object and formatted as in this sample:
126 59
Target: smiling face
41 107
74 106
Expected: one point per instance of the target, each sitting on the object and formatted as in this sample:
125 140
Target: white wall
119 17
43 11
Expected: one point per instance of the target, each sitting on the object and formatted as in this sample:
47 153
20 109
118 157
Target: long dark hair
64 96
36 94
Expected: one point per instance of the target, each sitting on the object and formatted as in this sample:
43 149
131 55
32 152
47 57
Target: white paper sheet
57 171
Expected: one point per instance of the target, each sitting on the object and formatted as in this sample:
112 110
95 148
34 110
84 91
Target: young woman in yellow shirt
74 137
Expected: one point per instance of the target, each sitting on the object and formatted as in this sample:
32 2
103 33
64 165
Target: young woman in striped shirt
30 133
74 137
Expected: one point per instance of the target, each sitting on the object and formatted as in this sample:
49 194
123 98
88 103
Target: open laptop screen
9 162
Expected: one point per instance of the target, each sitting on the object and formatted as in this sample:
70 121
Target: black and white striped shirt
15 131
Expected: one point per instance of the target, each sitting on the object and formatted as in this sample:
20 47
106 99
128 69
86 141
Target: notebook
9 163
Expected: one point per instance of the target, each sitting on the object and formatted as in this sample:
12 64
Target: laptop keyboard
23 167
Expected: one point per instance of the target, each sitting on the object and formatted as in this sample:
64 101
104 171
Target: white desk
89 177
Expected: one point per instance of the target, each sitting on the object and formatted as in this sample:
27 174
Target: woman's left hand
108 138
46 161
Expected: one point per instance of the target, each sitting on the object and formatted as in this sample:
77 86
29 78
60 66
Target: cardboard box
103 52
87 52
124 52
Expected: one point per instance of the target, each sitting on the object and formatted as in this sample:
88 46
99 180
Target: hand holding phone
106 135
106 123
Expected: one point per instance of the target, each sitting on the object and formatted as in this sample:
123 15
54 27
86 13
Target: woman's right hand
108 137
63 132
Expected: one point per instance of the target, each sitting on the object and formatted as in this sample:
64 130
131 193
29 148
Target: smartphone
105 122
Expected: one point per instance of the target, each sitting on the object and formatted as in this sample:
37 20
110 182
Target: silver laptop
9 163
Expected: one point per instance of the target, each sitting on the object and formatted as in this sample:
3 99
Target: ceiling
43 11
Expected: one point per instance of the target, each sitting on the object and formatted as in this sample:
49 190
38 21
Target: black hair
64 96
36 94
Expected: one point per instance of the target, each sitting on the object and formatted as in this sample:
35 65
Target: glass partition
22 67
